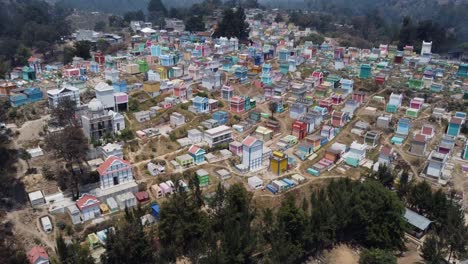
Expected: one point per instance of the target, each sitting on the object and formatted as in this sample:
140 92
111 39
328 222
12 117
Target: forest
228 228
27 25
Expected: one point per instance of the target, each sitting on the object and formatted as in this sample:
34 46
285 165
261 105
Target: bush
47 172
61 225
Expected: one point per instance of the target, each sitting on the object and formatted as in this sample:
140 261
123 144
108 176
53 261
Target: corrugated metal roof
417 220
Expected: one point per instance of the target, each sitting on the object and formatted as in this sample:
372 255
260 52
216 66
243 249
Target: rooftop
416 220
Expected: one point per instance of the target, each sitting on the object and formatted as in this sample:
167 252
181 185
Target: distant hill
119 6
450 14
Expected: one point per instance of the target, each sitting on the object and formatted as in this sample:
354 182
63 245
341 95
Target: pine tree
183 228
129 243
233 24
237 239
288 243
433 250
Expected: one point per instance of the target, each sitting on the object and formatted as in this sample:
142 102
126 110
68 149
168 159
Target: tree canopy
194 24
377 256
233 24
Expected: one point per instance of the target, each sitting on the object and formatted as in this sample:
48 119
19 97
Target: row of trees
69 145
233 24
372 28
227 229
449 234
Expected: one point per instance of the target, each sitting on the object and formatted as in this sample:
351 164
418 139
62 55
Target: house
252 152
365 71
203 177
195 135
28 73
327 104
402 131
386 156
38 255
157 191
197 153
335 152
33 94
176 119
74 214
317 77
166 188
315 140
6 88
394 102
105 94
312 120
185 160
298 89
418 145
300 107
255 183
465 151
437 162
98 122
371 138
212 104
126 200
428 131
384 121
227 92
416 103
266 133
337 99
200 105
327 132
415 84
152 88
112 149
88 206
380 78
347 85
121 101
115 171
155 169
446 144
350 107
142 116
221 117
36 198
299 129
356 153
304 150
462 70
142 197
438 113
418 224
237 104
17 100
454 126
339 119
278 162
218 135
211 80
56 95
236 148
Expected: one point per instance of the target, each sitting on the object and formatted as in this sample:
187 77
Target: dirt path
30 129
342 255
30 228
